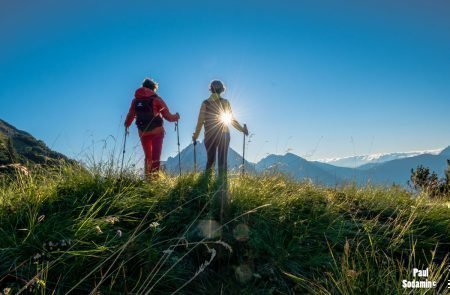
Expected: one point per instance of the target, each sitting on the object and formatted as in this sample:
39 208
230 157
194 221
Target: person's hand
245 130
177 115
194 139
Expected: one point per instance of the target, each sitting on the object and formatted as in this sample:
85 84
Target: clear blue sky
324 78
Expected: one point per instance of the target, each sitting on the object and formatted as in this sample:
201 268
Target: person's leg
211 147
224 143
146 142
157 143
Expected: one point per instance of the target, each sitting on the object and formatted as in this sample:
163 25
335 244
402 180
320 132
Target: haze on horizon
322 80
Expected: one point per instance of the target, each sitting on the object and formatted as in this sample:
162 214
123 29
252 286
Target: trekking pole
123 151
178 141
195 156
243 152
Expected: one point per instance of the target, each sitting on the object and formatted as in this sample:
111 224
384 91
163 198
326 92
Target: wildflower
154 224
112 219
37 256
98 229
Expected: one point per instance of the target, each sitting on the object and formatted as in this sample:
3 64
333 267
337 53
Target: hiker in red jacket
149 110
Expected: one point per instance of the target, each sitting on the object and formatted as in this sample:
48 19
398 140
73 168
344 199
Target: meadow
76 230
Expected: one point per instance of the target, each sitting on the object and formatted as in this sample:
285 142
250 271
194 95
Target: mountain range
387 170
19 147
357 161
187 160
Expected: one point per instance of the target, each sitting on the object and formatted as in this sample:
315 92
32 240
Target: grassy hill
74 231
17 146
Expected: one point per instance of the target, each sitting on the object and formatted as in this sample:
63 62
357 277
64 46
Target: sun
226 118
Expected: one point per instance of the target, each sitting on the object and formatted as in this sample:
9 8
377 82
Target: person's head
217 87
150 84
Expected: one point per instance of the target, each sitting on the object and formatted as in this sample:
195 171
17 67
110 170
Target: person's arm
130 116
235 122
200 121
164 110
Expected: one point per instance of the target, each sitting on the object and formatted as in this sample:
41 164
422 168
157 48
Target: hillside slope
396 171
17 146
78 232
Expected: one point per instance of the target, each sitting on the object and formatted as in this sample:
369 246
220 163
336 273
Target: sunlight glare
226 118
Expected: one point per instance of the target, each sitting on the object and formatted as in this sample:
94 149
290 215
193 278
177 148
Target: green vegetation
424 181
73 231
20 147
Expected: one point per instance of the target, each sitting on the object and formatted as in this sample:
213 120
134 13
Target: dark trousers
217 143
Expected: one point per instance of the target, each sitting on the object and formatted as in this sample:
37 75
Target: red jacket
159 107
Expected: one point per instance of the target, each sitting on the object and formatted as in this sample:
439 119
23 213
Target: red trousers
152 145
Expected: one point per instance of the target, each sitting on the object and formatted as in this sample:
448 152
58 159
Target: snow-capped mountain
380 169
370 160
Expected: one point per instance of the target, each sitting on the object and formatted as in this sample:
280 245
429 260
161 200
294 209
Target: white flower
154 224
37 256
112 219
98 229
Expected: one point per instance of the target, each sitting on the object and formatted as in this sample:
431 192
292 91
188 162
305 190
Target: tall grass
73 230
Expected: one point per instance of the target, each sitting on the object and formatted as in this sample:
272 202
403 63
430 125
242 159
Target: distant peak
359 160
446 151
